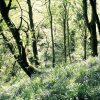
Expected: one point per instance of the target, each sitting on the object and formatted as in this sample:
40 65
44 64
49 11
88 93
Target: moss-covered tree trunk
34 41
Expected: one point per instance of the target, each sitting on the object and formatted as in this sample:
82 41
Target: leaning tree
21 57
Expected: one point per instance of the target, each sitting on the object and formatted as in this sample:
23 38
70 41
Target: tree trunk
91 25
64 30
52 36
85 42
68 34
34 41
93 32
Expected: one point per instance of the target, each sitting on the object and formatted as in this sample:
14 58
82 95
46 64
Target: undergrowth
77 81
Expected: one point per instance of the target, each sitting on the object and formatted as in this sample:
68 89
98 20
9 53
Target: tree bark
34 41
52 36
91 25
68 32
64 29
85 43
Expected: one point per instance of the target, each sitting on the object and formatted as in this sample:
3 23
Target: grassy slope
62 83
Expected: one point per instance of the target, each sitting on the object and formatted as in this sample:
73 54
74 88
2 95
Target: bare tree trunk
92 25
52 36
34 41
64 29
93 32
85 42
68 34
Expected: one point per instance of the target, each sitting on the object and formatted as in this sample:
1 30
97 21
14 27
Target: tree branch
9 6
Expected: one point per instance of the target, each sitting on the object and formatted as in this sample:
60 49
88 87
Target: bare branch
21 15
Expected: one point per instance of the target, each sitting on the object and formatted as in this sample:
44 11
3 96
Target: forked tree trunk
92 24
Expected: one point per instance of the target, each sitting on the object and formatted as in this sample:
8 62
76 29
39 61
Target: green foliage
80 80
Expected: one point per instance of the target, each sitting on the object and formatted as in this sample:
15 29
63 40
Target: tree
21 58
52 36
85 43
34 41
64 28
92 24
